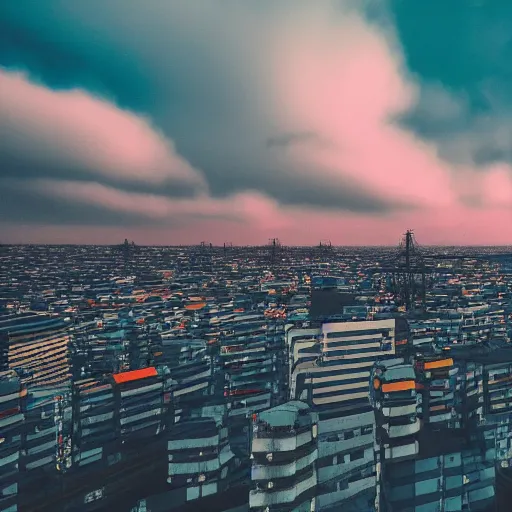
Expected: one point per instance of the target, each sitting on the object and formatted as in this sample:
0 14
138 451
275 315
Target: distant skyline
492 252
172 122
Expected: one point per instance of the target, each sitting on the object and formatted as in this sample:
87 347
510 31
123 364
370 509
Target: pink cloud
336 76
72 129
462 227
497 186
345 81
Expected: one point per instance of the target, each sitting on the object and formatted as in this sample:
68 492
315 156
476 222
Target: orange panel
120 378
195 306
442 363
398 386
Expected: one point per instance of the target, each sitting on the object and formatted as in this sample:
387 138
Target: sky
173 122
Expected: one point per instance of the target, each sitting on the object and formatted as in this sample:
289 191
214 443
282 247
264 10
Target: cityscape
255 256
266 378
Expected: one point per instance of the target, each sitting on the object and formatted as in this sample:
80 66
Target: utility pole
408 272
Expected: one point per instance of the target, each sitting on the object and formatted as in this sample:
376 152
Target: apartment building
11 430
284 452
330 369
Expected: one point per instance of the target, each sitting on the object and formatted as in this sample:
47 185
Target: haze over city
175 122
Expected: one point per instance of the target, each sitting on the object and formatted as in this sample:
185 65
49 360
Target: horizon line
233 246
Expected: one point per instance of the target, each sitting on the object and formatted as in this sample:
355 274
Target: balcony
398 452
269 472
269 498
187 444
264 432
440 417
288 444
404 430
404 410
200 466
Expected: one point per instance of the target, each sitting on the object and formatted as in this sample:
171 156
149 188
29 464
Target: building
433 453
201 462
11 429
284 454
330 369
38 348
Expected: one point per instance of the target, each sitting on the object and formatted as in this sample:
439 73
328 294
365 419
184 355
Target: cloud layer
237 121
73 133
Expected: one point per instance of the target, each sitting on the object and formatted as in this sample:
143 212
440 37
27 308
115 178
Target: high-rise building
433 453
11 429
191 370
201 462
143 402
330 369
94 409
284 456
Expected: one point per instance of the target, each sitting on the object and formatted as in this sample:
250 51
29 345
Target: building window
359 454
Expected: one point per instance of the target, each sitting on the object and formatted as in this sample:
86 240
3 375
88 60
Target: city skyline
172 123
